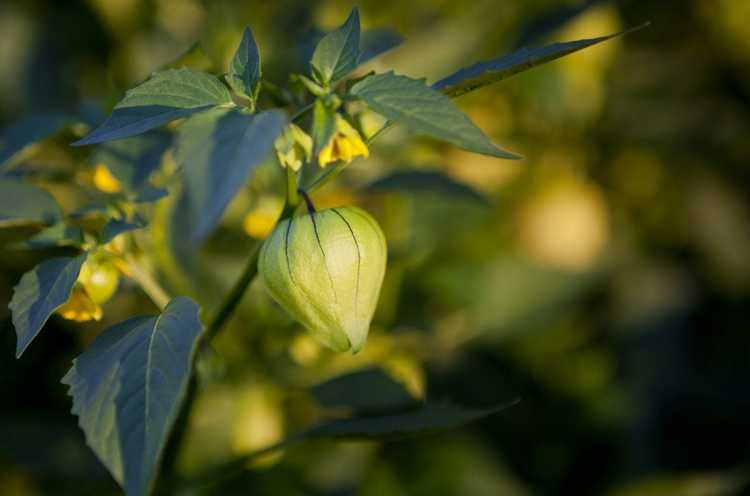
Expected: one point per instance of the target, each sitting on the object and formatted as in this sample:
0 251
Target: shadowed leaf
24 203
40 292
367 390
422 181
484 73
127 389
218 152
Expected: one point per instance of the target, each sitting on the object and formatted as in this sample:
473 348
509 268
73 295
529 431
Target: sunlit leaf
40 292
127 389
478 75
218 152
323 126
24 203
424 181
337 54
167 96
426 111
244 69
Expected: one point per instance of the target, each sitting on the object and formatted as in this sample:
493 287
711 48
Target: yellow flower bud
326 269
344 144
293 147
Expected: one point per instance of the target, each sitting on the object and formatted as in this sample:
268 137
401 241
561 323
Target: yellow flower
97 283
293 147
345 144
80 307
105 181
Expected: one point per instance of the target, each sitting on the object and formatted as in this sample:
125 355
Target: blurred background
604 279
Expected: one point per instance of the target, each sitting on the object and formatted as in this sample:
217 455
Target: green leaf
127 389
217 152
337 54
24 203
323 125
425 111
168 95
60 234
484 73
366 390
428 419
40 292
133 160
31 129
424 181
115 227
244 69
375 42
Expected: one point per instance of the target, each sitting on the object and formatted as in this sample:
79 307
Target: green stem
216 324
146 281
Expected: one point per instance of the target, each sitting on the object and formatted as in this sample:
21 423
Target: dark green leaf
167 96
367 390
337 54
40 292
127 389
60 234
484 73
426 111
376 42
29 130
133 160
115 227
149 194
424 181
244 70
24 203
430 418
217 152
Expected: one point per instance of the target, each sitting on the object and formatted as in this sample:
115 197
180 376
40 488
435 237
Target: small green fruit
100 277
326 268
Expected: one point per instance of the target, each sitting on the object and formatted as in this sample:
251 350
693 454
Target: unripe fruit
326 268
100 277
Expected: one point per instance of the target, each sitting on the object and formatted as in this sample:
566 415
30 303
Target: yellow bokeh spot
260 221
80 307
105 181
344 144
304 349
565 226
258 424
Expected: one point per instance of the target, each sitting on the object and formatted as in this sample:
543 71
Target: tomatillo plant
133 389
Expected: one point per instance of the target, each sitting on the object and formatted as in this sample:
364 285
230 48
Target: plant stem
147 282
216 324
235 295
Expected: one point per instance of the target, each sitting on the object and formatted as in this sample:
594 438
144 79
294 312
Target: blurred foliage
606 284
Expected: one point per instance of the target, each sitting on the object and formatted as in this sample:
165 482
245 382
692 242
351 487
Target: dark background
607 285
